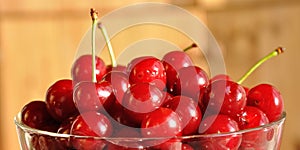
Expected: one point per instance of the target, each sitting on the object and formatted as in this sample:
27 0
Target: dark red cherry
82 69
173 61
191 81
59 100
149 70
120 83
135 61
35 115
188 111
162 122
224 96
89 96
252 117
92 124
268 99
141 99
220 124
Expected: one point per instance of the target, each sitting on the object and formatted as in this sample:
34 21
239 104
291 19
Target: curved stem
190 47
110 49
94 15
274 53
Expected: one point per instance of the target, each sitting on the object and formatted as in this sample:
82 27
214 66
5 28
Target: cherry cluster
152 98
152 103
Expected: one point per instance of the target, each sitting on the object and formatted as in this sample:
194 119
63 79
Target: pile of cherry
152 98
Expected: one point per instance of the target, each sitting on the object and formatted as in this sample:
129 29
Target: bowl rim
27 129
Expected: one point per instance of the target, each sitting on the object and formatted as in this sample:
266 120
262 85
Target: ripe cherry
162 122
191 82
82 69
267 98
120 83
92 124
148 70
173 61
89 96
252 117
188 111
224 96
59 100
220 124
141 99
35 115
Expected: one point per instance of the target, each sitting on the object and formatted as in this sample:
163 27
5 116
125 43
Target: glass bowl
267 137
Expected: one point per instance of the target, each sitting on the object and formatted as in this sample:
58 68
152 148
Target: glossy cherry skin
188 111
35 115
268 99
120 83
89 96
90 123
224 96
252 117
82 69
59 100
162 122
135 61
220 124
140 100
149 70
173 61
191 82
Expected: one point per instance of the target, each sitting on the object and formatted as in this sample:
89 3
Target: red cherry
224 96
135 61
162 122
188 111
90 124
82 69
148 70
140 100
35 115
191 81
268 99
252 117
59 100
119 82
173 61
89 96
220 124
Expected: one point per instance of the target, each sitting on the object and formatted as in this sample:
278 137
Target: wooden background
39 39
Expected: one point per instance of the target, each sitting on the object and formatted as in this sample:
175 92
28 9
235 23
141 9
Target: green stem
190 47
107 40
274 53
94 15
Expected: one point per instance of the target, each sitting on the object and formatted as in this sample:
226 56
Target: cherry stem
274 53
110 49
190 47
94 15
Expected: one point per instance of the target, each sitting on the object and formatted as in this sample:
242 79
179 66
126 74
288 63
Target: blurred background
39 39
